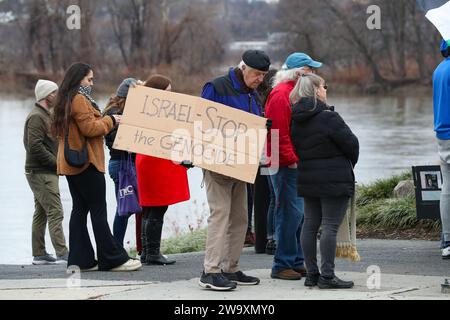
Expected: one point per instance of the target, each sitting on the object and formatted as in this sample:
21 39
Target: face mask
86 90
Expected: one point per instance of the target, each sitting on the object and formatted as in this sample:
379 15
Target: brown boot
287 274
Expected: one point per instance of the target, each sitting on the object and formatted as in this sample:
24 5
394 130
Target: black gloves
187 164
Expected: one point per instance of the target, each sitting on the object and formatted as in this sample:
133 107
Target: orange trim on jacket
86 126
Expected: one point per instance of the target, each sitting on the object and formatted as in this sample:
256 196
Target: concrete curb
392 287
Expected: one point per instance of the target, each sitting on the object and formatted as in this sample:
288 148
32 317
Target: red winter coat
278 109
160 182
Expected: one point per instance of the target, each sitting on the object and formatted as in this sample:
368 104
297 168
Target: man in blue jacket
227 197
441 85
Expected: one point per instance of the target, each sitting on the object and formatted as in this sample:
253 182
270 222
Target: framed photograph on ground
428 185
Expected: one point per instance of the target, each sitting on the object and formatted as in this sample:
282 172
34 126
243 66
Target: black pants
261 203
88 191
328 213
250 194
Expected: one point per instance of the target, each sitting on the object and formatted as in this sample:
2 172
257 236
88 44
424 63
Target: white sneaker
446 253
130 265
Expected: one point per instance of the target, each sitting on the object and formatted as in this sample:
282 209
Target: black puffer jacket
327 148
111 136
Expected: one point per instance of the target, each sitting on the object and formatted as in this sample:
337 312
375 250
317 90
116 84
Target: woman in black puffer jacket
328 152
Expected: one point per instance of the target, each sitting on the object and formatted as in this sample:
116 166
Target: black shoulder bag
74 158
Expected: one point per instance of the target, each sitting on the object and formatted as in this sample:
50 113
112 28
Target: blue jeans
288 222
271 213
120 222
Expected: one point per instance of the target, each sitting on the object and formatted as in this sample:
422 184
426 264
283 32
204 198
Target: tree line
192 36
404 50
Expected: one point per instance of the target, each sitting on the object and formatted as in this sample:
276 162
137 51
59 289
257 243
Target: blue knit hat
122 91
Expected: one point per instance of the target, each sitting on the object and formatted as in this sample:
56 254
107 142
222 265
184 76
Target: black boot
144 237
334 283
312 279
153 243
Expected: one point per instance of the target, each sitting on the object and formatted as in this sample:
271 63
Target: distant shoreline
23 92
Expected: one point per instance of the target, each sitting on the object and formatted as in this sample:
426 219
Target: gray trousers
48 208
328 213
444 153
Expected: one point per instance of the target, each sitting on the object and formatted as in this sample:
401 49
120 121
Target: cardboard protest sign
179 127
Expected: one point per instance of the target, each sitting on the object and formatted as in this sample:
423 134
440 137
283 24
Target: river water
395 133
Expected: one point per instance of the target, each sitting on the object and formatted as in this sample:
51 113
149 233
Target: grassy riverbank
191 242
380 215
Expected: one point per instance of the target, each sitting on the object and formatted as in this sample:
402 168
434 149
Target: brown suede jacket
87 126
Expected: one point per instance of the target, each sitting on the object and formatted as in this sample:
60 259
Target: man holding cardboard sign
222 133
227 196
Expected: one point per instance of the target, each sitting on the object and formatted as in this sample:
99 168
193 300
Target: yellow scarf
346 237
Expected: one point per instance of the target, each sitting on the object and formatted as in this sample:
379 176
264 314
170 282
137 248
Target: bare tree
201 41
336 31
87 48
136 27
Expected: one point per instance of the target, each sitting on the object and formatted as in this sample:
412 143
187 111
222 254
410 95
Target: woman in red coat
161 183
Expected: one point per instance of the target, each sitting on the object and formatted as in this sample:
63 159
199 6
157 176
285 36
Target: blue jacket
441 87
228 90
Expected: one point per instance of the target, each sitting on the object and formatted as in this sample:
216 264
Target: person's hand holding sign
137 83
187 164
117 118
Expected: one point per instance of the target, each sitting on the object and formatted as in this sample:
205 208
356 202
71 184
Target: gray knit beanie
44 88
122 91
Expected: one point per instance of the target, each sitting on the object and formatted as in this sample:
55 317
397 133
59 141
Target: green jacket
41 149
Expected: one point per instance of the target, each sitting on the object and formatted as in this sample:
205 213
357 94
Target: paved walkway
410 270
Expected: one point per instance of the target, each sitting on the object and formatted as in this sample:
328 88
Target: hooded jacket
327 148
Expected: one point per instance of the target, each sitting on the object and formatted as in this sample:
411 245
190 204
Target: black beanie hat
257 59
